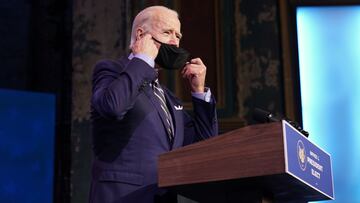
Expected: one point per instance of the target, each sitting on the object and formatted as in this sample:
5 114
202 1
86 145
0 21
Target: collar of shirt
147 59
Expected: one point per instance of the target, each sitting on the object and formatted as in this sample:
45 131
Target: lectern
266 161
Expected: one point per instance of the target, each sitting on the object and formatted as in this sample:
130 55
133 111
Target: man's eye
167 32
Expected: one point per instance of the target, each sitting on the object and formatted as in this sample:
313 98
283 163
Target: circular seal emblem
301 155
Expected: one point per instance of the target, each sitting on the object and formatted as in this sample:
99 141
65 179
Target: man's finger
196 61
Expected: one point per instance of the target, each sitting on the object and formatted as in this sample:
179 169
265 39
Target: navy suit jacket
129 132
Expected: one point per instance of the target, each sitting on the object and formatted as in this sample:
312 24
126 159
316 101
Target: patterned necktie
159 93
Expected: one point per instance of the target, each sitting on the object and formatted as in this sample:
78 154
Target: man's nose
174 40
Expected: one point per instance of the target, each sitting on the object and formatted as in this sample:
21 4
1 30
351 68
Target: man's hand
145 45
195 72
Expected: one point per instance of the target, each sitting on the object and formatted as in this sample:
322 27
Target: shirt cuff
205 96
143 57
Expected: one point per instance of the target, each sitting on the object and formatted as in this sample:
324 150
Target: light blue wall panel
329 59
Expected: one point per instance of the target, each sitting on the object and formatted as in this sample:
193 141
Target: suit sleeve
204 123
116 85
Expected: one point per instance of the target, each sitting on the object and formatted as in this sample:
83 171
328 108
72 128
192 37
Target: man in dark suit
134 119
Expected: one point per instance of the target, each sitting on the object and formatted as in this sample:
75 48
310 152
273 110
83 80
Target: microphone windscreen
261 115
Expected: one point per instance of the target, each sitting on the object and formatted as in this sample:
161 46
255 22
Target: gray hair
145 18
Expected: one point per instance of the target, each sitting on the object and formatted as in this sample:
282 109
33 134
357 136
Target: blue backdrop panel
329 59
27 131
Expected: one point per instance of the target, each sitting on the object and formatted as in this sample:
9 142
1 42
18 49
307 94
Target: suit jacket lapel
149 93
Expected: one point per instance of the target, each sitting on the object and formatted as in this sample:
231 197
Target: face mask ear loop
161 43
157 40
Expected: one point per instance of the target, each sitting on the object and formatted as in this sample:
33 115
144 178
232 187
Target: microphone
263 116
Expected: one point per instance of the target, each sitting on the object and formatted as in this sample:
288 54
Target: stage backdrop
329 50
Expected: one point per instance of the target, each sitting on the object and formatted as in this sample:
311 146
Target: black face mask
171 57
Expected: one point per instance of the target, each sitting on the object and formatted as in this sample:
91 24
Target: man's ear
139 33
